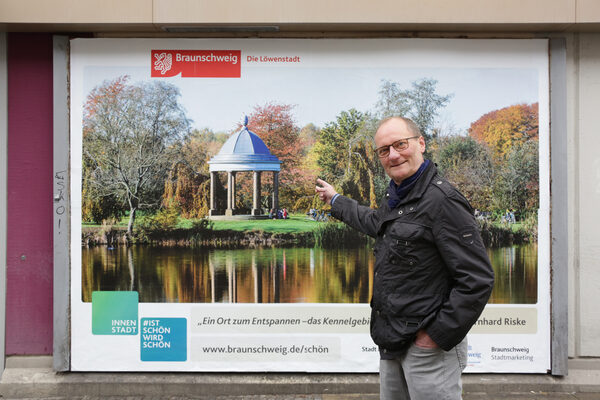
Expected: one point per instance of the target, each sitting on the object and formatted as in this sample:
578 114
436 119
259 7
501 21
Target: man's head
399 133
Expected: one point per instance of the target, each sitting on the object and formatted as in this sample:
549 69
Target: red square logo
196 63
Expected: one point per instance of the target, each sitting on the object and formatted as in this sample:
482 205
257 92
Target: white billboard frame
558 367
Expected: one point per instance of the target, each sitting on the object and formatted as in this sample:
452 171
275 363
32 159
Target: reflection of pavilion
224 286
243 151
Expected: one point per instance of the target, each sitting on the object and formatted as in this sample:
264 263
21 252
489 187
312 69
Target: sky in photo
320 94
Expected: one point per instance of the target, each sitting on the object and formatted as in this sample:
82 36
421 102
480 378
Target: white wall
572 185
584 188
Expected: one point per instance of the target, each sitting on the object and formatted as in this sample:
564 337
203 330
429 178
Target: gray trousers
424 374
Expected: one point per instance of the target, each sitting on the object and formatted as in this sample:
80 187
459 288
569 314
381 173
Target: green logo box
115 313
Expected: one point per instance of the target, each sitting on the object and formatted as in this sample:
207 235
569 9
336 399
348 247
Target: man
432 275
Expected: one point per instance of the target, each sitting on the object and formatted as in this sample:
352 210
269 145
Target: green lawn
296 223
123 222
513 227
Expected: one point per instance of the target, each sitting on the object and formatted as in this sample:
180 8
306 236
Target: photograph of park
203 190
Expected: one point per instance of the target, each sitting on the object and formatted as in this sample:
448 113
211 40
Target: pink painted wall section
29 204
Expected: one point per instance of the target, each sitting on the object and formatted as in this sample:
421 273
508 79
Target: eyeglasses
398 145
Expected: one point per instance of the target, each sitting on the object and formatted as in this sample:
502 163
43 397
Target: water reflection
270 275
516 274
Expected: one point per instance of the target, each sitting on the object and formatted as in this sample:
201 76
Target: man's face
399 165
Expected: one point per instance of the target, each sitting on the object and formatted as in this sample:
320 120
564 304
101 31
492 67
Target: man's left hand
424 341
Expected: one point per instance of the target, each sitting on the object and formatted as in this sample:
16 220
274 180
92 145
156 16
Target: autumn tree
308 137
188 185
420 103
468 165
344 153
505 128
369 177
336 142
517 185
275 125
132 133
392 101
96 206
511 134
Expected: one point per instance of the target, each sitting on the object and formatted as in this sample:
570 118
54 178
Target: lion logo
163 62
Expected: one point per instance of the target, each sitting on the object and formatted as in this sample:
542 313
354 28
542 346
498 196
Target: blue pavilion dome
244 151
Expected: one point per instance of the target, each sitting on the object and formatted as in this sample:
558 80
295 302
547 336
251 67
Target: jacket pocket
404 240
406 232
395 325
392 333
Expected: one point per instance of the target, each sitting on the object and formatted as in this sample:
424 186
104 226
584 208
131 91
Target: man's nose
393 153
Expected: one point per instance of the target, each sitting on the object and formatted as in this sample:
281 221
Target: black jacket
432 271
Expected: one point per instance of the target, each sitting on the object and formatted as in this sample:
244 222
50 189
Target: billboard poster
197 241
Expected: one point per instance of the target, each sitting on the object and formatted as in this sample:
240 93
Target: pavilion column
275 191
233 191
256 194
229 211
213 191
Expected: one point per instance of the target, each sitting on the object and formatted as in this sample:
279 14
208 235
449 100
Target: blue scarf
397 192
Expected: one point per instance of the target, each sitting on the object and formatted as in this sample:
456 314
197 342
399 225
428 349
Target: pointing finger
322 182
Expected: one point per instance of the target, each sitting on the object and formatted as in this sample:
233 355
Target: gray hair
412 127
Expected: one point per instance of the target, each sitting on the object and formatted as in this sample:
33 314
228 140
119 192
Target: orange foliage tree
275 125
502 129
511 135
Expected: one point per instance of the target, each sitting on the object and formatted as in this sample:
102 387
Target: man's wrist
335 196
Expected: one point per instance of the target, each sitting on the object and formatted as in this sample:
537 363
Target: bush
163 230
499 235
162 227
335 234
494 235
164 220
530 226
201 230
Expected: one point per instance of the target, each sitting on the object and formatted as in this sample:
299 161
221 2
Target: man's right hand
325 191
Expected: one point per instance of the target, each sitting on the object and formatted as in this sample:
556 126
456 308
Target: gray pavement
41 382
348 396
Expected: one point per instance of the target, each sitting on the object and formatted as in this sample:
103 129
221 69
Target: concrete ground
37 380
467 396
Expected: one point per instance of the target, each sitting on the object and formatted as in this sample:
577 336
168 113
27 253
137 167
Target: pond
271 275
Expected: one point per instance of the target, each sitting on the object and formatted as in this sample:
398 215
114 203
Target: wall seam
576 199
559 205
61 278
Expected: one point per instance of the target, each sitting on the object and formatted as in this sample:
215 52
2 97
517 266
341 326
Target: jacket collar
416 193
420 185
